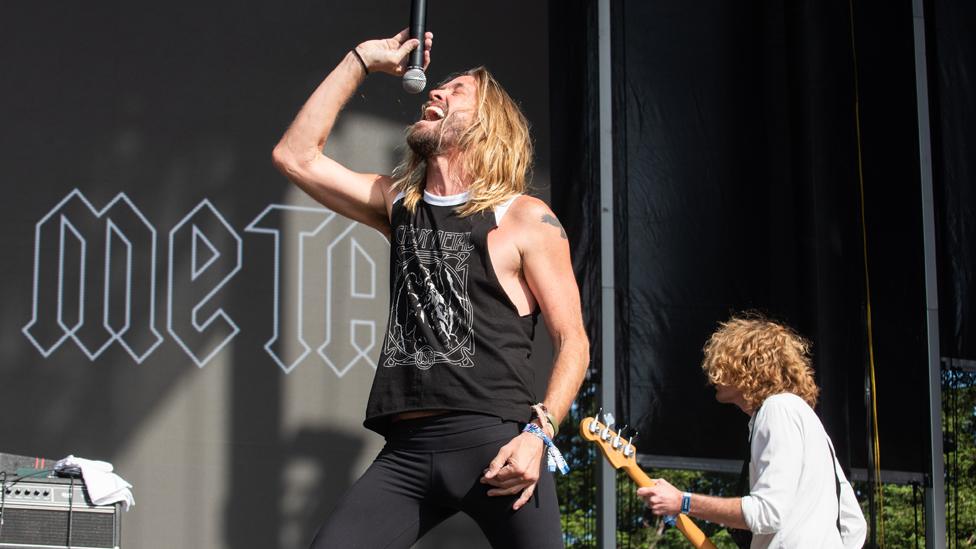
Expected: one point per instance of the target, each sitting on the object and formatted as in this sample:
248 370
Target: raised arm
363 197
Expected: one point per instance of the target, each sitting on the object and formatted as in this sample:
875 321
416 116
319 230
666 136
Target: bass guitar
622 455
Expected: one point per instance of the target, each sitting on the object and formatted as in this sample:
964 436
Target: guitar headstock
618 450
621 454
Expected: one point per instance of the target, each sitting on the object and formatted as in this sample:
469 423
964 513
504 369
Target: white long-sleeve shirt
792 502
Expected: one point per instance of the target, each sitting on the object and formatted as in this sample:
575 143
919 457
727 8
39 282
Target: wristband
554 458
552 421
544 416
686 503
361 61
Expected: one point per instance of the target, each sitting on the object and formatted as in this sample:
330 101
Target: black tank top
454 339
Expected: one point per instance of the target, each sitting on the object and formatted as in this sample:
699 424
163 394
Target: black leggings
427 472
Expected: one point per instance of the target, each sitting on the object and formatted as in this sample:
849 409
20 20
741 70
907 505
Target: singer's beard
428 142
425 144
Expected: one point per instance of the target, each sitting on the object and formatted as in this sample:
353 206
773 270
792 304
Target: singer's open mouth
433 113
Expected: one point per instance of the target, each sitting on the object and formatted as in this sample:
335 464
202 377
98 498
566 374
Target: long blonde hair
496 152
760 358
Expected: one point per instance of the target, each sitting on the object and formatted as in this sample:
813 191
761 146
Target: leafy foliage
959 431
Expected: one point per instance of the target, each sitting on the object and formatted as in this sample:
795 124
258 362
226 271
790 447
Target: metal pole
607 489
935 526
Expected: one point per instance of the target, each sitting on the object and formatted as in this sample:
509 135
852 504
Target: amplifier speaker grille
50 528
49 510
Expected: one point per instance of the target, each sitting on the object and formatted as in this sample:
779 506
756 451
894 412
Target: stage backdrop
738 174
170 303
738 187
952 70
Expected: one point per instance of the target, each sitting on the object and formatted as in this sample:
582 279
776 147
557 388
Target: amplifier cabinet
52 513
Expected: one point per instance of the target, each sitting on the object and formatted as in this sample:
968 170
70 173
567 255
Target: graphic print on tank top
431 319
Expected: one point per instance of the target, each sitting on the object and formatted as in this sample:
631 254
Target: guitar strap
833 465
743 538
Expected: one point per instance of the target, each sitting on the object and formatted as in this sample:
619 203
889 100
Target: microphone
414 80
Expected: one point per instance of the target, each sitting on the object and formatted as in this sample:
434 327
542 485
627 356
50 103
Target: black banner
739 163
952 54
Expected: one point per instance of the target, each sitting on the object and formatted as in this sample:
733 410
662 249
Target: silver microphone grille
414 80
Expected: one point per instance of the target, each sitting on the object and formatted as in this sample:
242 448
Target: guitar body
622 455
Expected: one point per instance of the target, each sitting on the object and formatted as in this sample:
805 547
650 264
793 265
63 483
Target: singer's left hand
390 55
516 469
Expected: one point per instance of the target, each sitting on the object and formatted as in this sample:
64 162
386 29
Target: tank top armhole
502 209
397 201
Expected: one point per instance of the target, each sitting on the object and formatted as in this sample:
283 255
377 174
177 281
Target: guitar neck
638 475
683 522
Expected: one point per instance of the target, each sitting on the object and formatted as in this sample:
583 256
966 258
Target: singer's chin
424 143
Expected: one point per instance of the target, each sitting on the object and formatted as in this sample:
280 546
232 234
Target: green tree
959 427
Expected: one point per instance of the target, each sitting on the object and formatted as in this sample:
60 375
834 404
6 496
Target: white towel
104 487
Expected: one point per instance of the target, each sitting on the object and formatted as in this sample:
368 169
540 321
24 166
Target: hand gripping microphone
414 80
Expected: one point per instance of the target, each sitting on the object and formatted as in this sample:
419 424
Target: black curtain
884 42
734 169
574 130
952 75
738 170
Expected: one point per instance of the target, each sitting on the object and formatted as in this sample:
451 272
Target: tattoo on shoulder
551 220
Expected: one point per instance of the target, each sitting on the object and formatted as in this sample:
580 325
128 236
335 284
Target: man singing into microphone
473 263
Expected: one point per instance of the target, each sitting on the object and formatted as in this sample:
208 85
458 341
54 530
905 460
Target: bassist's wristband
686 502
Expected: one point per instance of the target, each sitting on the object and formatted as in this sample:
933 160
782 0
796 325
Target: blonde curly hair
497 152
760 358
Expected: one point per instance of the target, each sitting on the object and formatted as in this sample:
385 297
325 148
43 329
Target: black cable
947 450
955 454
915 509
966 382
71 508
954 418
951 465
872 540
3 499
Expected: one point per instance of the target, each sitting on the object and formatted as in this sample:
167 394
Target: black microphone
414 80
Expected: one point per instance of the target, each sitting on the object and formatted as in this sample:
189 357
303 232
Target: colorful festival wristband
554 458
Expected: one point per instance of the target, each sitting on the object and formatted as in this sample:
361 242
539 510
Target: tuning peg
608 421
629 450
616 440
595 424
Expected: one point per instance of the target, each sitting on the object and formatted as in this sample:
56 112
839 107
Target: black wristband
363 63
